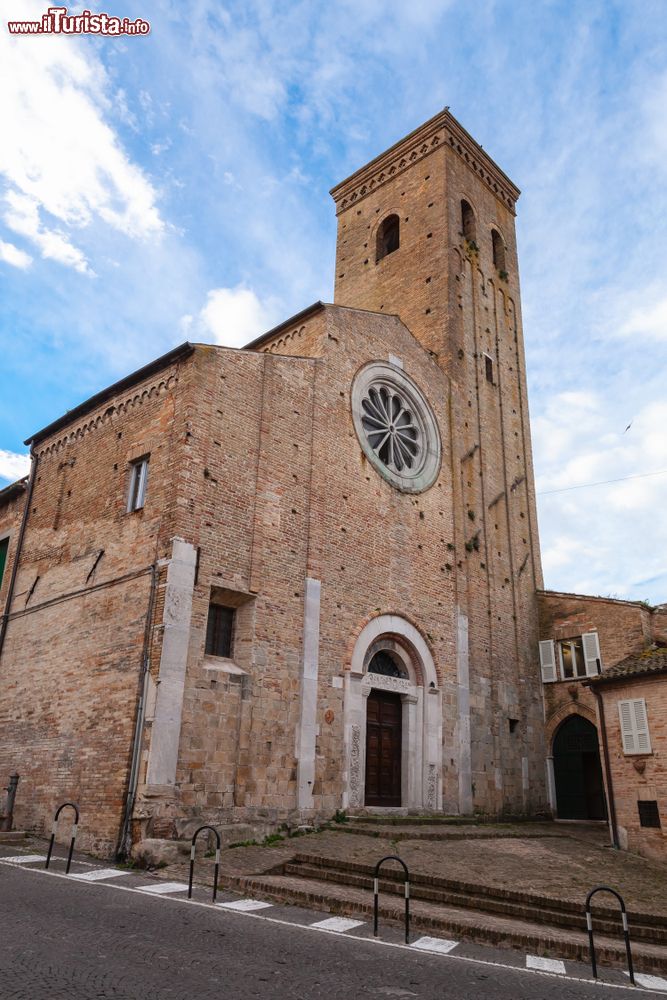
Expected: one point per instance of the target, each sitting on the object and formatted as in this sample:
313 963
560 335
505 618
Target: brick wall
71 662
453 299
623 627
639 777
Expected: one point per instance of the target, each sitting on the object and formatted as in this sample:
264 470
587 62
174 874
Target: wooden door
384 726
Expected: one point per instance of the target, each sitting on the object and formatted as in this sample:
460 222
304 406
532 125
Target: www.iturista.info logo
57 21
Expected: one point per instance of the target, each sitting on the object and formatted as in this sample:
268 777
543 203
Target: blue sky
175 186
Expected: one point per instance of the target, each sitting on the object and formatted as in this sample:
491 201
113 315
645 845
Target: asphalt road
64 940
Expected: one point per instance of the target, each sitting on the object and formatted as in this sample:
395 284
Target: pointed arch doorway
577 771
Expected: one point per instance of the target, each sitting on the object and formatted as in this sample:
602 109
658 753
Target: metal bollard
75 827
626 932
7 818
217 860
376 894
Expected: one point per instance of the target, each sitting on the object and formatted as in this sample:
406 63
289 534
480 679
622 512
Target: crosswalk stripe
98 874
434 944
545 964
245 905
650 982
25 859
341 924
159 890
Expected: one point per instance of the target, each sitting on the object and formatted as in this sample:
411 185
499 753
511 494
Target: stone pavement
559 861
121 935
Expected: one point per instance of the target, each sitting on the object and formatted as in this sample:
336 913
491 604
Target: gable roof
649 662
182 351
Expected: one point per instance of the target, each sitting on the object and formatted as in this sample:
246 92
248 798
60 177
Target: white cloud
651 321
602 539
12 255
13 466
234 316
22 216
61 160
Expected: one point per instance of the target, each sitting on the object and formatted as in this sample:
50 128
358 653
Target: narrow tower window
388 236
468 227
498 250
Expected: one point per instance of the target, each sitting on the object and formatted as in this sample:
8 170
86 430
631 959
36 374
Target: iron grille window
648 813
219 629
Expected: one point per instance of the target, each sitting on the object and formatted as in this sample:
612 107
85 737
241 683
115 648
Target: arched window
388 236
498 250
468 227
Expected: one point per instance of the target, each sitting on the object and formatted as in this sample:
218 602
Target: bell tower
426 231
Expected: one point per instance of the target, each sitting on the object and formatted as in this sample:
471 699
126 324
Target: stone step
443 831
535 911
452 922
484 890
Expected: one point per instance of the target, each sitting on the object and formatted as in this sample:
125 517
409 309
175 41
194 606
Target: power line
604 482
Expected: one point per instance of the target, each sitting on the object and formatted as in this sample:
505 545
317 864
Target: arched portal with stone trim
400 706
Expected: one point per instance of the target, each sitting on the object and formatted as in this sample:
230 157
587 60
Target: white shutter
591 647
634 726
548 661
641 726
626 717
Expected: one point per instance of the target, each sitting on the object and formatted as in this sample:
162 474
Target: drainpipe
125 838
19 548
613 829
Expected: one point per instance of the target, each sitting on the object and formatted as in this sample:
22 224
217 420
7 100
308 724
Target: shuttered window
570 659
548 661
634 726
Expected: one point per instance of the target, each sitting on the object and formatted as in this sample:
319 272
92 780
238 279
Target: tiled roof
650 661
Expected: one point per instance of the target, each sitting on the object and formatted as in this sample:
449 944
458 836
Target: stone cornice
441 130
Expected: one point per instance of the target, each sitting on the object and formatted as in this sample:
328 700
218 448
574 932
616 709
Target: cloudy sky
174 186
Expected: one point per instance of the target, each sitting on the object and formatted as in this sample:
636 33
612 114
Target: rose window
396 427
390 428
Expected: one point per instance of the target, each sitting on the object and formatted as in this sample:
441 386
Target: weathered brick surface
457 304
72 656
255 463
623 627
11 514
639 777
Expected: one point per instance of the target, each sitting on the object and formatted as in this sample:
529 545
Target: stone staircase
464 910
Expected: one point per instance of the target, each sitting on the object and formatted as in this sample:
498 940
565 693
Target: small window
488 367
634 726
468 227
388 237
138 479
648 814
498 250
4 548
571 652
219 629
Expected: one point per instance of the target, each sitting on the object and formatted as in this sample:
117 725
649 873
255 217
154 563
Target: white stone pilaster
463 722
166 731
309 675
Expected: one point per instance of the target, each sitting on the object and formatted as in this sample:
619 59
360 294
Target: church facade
263 585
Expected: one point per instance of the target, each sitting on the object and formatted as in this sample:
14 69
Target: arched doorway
393 720
384 733
577 771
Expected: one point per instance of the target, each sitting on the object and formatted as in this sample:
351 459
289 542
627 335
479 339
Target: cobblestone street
66 939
